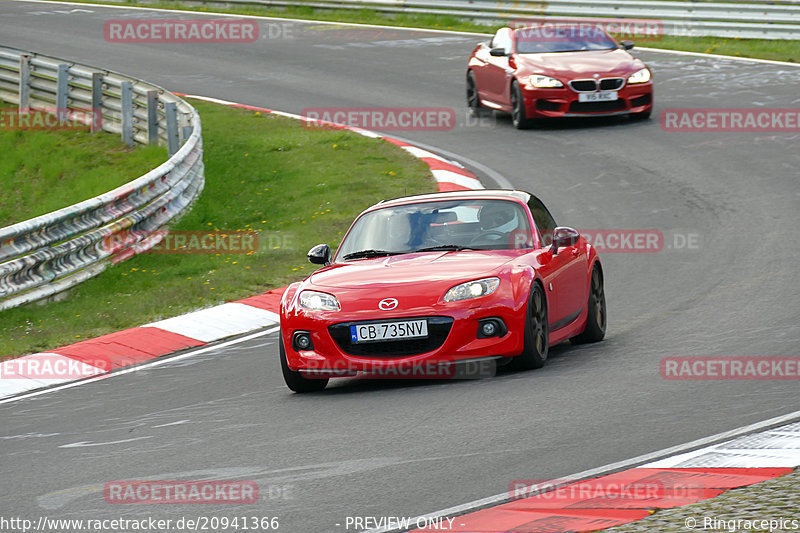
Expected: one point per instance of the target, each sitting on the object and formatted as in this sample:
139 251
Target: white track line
157 362
613 467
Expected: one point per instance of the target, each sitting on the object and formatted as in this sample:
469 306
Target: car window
502 39
544 221
549 38
469 223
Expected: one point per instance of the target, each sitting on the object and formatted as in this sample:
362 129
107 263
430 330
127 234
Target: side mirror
564 236
498 52
627 45
320 254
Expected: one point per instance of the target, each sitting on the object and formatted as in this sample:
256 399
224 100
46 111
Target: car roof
450 195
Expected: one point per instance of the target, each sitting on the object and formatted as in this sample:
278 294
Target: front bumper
453 336
556 103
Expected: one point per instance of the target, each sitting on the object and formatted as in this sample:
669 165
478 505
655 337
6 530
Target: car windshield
447 225
549 38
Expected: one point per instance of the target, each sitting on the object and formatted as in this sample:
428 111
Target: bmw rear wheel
537 335
295 380
596 317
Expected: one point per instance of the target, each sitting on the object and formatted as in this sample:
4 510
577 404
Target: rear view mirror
564 236
498 52
627 45
320 254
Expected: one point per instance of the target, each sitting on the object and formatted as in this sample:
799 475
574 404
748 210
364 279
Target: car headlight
544 82
640 76
472 289
318 301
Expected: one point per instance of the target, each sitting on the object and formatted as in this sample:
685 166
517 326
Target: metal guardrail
53 252
689 19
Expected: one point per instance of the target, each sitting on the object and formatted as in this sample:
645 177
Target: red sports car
549 71
426 284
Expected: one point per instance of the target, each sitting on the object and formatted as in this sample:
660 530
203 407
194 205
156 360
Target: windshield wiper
369 253
445 248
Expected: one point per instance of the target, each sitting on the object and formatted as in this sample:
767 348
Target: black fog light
491 327
302 341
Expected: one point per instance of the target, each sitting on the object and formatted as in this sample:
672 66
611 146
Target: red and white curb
133 346
621 497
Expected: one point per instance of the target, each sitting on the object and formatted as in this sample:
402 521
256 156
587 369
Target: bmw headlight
318 301
544 82
472 289
640 76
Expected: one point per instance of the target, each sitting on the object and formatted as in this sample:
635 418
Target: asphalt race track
378 448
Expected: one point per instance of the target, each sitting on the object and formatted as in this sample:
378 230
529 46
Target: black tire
473 100
518 117
596 319
537 333
295 380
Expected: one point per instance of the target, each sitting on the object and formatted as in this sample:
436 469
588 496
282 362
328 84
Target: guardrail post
187 132
97 101
127 112
152 117
62 91
24 82
171 110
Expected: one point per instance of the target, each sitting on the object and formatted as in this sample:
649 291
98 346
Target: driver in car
497 220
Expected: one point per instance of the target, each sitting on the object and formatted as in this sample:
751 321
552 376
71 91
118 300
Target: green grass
43 171
296 186
779 50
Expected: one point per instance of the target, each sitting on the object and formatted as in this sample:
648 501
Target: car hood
397 271
572 65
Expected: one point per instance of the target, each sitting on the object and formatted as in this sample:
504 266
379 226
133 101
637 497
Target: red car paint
419 281
496 75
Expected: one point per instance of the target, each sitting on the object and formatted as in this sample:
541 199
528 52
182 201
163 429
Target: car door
496 70
564 273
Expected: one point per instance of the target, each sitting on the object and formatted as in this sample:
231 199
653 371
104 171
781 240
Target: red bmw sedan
551 71
424 285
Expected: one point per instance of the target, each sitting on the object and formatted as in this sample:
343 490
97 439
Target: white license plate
608 96
386 331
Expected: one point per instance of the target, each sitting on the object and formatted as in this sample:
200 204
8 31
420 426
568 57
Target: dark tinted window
550 38
544 221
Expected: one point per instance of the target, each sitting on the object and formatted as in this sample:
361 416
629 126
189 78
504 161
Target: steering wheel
488 233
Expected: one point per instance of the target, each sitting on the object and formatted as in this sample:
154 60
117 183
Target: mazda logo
387 304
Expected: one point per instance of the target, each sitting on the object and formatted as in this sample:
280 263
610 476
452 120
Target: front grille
641 100
596 107
611 84
438 329
547 105
583 85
